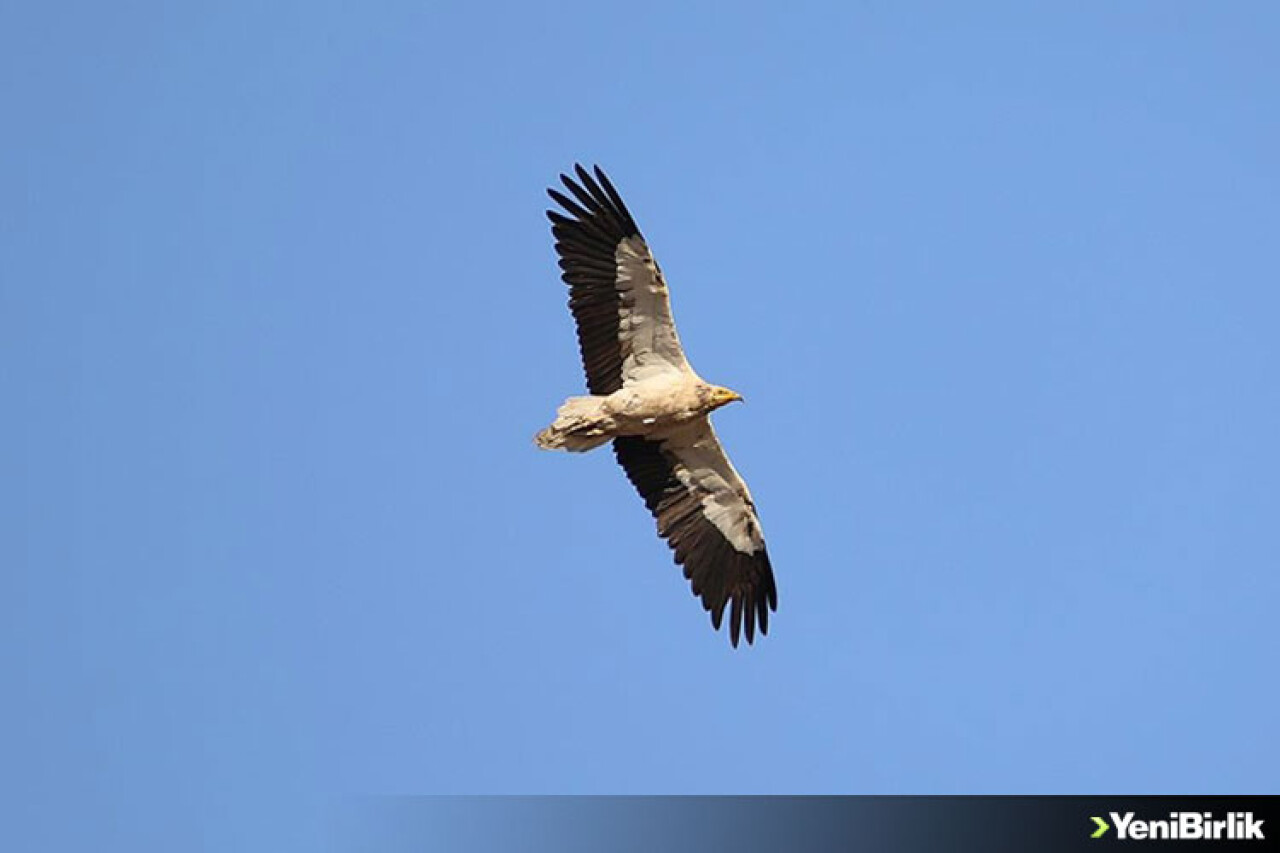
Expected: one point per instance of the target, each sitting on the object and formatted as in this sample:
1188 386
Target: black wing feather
587 242
719 573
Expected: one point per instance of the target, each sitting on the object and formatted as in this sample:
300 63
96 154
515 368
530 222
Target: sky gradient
279 315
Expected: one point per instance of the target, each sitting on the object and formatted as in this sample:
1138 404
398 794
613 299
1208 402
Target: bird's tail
581 424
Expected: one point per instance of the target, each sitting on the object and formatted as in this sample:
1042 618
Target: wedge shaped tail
580 425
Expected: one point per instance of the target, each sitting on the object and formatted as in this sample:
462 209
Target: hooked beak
728 395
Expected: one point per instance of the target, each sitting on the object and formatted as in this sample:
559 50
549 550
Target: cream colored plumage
647 399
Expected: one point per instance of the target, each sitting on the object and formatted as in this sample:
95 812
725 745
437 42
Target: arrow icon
1102 827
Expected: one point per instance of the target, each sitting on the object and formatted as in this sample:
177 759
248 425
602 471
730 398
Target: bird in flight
647 398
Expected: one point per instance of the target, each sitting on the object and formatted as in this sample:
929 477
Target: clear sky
279 316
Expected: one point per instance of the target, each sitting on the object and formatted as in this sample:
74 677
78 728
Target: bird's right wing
616 291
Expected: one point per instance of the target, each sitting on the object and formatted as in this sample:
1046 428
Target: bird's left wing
705 513
616 291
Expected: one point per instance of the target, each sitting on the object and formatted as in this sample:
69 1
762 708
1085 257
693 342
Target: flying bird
647 398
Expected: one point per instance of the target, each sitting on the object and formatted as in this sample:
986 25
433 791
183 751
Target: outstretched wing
616 291
705 513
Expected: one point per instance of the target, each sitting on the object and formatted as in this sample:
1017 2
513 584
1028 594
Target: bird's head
723 396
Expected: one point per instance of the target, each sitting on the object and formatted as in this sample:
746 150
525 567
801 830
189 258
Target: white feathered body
653 407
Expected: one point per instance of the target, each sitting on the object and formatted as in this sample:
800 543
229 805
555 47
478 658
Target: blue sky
279 315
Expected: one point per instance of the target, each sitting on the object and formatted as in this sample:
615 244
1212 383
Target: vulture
646 398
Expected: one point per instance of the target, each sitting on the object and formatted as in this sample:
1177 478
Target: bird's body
647 399
658 407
